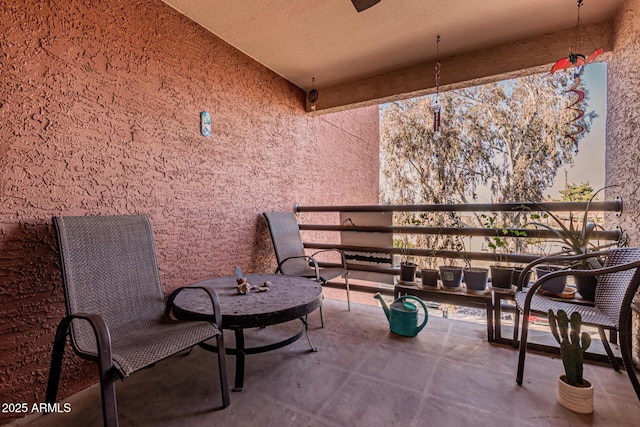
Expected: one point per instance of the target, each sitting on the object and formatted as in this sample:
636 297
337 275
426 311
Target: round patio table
287 298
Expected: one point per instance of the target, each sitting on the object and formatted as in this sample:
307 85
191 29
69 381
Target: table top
288 298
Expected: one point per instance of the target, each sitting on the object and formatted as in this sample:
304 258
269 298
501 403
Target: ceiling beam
522 57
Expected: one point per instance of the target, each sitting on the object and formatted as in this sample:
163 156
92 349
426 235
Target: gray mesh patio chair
291 257
116 314
618 282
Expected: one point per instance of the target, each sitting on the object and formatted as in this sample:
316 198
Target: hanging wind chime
436 105
577 60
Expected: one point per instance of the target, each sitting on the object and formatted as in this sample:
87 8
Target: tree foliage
509 136
582 192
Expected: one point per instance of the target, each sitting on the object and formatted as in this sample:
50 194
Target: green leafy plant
498 243
572 343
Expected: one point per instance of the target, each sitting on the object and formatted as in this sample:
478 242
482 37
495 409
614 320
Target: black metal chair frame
622 326
108 369
321 275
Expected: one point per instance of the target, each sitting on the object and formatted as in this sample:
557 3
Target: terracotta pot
576 399
429 277
476 278
451 276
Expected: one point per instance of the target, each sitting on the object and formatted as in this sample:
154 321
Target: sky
589 163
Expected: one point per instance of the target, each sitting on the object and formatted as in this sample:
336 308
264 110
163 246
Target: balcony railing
602 236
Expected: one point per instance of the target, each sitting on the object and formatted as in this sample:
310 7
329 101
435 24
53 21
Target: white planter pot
576 399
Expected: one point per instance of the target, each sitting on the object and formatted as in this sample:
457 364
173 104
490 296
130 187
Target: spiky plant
576 238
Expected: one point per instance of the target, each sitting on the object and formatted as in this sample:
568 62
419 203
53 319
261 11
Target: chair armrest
213 296
342 257
101 333
99 327
558 258
311 260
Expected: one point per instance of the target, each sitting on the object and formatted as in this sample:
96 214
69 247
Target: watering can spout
385 307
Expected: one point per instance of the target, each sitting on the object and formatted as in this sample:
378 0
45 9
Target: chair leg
346 281
321 312
222 370
523 347
108 391
625 349
516 327
607 348
56 361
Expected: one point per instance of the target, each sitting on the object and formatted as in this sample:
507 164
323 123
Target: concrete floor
362 375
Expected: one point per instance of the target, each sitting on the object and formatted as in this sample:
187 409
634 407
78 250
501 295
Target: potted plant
502 276
408 267
450 274
475 278
575 240
430 274
574 391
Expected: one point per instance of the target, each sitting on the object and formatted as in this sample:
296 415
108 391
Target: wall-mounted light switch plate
205 124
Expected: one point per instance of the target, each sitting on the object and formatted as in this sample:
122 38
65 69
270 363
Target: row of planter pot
477 279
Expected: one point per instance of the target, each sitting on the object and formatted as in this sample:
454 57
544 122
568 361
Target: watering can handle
424 307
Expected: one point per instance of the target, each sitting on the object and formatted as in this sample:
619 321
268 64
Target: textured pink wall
99 114
623 128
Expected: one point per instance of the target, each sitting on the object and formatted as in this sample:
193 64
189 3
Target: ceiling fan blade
361 5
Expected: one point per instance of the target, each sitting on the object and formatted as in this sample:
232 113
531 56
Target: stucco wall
99 114
623 125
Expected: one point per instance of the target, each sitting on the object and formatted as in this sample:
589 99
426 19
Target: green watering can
403 315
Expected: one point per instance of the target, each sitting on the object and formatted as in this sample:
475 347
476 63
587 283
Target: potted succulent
575 240
574 391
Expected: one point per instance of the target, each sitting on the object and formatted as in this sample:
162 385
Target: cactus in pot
572 344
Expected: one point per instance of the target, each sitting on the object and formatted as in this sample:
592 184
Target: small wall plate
205 124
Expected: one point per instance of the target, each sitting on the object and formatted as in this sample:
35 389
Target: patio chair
291 257
618 282
116 314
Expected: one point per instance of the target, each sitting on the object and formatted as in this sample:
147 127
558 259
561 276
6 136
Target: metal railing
611 235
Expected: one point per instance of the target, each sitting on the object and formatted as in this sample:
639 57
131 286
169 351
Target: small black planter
556 285
501 277
408 272
586 285
451 276
476 279
516 275
429 277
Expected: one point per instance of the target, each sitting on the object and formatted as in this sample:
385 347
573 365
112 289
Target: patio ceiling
348 52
